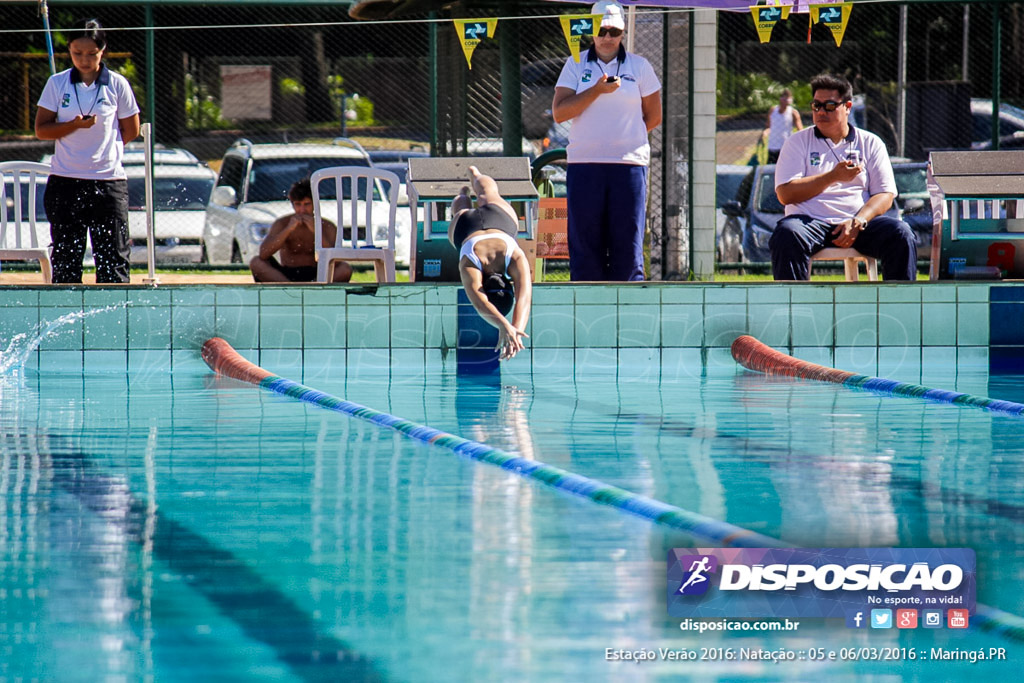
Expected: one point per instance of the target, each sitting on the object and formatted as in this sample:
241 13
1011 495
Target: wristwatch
859 222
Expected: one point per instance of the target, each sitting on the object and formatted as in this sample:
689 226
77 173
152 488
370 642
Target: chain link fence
935 94
951 52
322 74
292 73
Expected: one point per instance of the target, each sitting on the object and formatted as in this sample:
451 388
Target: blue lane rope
755 355
219 355
222 358
891 387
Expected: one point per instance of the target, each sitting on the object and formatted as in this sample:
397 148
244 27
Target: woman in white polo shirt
614 99
90 112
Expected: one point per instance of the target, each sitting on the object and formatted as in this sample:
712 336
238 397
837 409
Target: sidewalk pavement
736 146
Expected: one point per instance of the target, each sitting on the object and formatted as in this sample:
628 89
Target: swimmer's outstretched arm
519 270
509 336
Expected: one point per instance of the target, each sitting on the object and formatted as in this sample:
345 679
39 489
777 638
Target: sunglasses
613 32
828 105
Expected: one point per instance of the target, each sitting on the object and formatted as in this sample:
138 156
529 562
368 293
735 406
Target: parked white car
180 195
135 154
252 192
181 189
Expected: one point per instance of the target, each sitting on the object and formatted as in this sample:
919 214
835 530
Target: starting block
434 182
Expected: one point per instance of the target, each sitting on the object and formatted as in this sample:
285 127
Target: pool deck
35 278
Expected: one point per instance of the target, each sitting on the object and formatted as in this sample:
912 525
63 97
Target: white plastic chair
18 222
355 212
849 257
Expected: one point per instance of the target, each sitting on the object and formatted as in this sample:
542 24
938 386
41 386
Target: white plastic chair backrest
357 187
13 212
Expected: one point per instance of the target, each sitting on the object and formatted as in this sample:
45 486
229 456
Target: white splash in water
21 346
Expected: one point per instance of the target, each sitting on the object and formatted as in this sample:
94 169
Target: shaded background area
332 75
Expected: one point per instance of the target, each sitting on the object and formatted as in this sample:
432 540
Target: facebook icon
855 619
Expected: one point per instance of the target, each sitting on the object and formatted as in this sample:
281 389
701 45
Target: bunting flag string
471 32
765 19
575 27
834 17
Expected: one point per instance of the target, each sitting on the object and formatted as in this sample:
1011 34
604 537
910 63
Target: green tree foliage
201 112
359 108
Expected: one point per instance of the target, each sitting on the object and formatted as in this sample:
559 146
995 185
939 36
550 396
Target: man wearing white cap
614 100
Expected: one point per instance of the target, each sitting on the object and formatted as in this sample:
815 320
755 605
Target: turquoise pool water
188 527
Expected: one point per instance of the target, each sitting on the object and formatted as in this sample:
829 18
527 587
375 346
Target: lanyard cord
832 148
94 100
617 67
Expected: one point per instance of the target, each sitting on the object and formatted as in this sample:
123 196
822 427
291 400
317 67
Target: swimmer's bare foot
475 176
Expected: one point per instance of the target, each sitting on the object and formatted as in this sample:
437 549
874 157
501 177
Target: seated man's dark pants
798 237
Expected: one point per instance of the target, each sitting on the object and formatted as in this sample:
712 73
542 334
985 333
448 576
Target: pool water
183 528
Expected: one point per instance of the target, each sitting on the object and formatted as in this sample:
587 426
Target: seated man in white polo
836 183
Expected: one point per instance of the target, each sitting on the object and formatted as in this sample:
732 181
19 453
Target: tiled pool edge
682 324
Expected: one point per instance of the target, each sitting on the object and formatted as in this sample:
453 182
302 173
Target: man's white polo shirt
809 153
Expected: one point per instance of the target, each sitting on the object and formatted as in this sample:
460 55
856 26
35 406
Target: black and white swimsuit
486 217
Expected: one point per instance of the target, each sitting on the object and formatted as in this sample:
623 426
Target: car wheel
236 253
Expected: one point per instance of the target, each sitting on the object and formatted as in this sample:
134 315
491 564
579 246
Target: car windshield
175 194
271 179
767 200
1011 120
911 182
386 156
726 186
558 185
9 201
399 168
543 73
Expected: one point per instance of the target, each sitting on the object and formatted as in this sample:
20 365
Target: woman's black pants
97 208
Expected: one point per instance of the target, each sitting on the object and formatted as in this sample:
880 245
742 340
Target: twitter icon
881 618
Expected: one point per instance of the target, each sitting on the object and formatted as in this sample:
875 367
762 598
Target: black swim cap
498 289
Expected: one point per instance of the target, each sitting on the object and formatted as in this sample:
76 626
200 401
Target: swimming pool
182 526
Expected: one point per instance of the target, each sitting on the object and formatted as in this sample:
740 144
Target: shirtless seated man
293 236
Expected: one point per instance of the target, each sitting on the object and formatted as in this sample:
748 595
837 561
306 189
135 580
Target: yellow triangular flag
575 26
471 32
834 17
765 19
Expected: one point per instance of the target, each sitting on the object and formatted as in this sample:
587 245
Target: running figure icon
697 570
